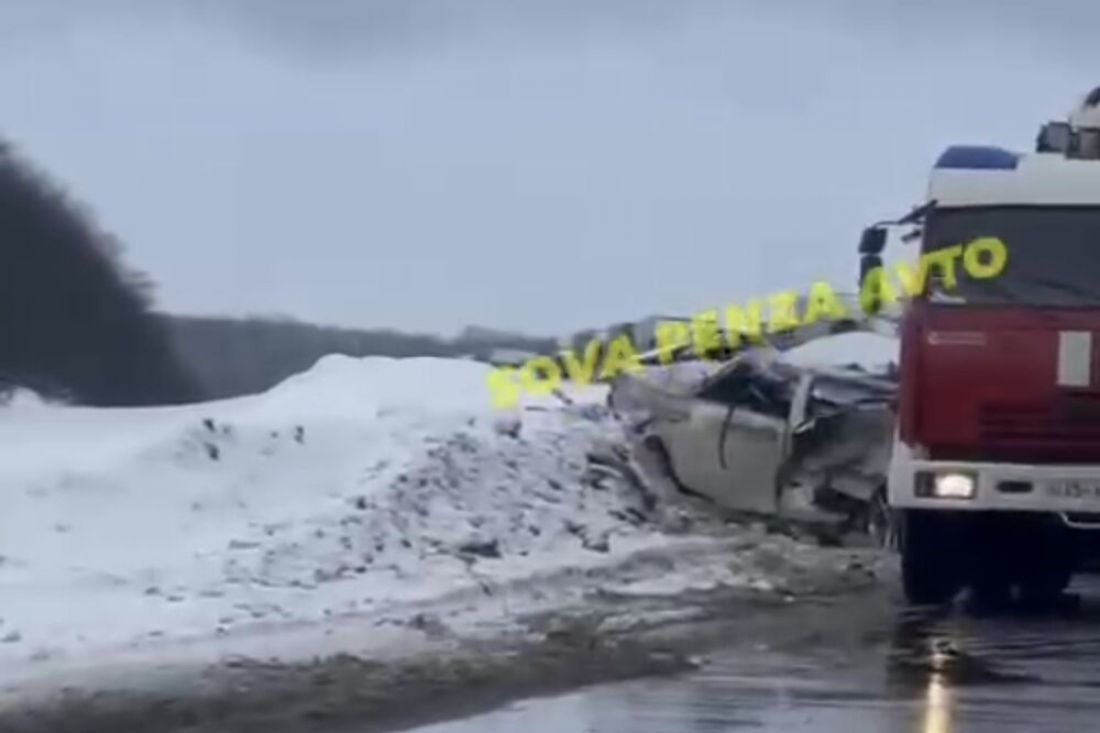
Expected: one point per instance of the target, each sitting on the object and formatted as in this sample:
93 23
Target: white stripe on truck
1074 358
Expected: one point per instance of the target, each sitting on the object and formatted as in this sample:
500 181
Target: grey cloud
321 25
342 27
350 28
334 29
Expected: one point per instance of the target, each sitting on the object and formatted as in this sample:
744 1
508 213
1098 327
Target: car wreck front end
763 437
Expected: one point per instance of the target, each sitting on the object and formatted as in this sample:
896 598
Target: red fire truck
994 482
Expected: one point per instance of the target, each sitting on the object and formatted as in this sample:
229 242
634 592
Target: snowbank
21 397
364 486
870 350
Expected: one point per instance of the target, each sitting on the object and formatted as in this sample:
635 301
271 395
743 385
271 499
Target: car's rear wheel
929 561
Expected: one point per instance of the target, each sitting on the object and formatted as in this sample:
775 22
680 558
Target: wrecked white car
768 438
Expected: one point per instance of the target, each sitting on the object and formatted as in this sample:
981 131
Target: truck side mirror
1054 137
873 241
867 263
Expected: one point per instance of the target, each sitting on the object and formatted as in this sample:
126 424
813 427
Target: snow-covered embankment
356 508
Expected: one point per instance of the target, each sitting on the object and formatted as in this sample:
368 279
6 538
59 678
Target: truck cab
994 477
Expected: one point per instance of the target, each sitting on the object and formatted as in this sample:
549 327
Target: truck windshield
1054 254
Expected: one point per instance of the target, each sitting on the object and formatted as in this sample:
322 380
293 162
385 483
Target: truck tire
1047 572
991 584
930 570
1044 590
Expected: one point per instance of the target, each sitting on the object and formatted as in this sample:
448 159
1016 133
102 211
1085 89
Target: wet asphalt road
933 672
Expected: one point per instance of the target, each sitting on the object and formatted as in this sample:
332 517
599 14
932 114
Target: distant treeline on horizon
230 357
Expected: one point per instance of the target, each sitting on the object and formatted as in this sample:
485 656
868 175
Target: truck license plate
1074 489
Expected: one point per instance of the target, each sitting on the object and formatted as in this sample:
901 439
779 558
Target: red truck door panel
1006 384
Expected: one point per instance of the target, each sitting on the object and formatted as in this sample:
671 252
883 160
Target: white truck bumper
1061 489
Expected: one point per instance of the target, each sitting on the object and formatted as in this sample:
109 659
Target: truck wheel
1046 576
929 567
991 586
1046 589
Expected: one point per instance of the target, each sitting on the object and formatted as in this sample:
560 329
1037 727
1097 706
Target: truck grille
1039 423
1067 430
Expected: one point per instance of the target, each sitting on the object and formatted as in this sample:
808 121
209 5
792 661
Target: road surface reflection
946 672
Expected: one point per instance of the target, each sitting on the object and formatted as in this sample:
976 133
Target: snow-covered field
363 489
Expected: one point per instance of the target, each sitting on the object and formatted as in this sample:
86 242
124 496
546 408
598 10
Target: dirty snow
371 487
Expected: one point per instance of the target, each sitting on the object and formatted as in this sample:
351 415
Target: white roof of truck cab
988 176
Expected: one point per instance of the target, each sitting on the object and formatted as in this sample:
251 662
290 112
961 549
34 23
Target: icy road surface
895 670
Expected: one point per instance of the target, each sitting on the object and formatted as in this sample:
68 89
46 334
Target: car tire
882 522
929 566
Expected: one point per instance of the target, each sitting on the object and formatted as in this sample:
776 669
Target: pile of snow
872 351
356 487
22 397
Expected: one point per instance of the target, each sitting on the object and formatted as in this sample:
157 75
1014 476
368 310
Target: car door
750 451
725 451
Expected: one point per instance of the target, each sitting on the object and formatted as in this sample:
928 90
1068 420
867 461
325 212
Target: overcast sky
540 165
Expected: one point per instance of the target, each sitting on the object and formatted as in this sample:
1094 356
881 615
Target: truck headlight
946 485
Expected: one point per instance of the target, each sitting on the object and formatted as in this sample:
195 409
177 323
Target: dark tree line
75 322
235 357
73 319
